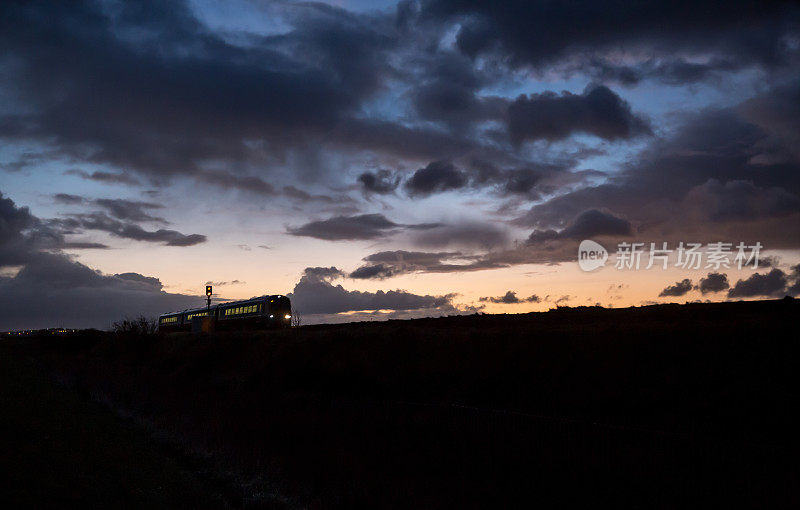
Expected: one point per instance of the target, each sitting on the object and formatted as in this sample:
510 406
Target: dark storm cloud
157 92
438 176
15 222
160 94
51 289
399 140
714 282
740 200
533 180
543 33
382 182
548 116
316 294
679 289
726 173
772 284
588 224
22 235
447 89
510 297
347 228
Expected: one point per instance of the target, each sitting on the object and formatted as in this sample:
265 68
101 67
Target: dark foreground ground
658 407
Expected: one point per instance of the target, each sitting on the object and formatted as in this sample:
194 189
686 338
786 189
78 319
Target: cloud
83 245
510 297
438 176
446 90
316 294
772 284
579 34
228 180
381 182
679 289
794 288
386 264
742 200
50 289
717 176
374 271
598 111
361 227
65 198
122 209
161 94
125 230
16 239
221 284
714 282
129 209
534 180
588 224
105 177
168 237
148 282
303 196
467 234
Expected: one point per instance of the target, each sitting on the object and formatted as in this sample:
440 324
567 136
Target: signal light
208 290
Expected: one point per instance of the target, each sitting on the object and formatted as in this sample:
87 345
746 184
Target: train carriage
170 322
256 313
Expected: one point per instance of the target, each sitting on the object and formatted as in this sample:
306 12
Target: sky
378 160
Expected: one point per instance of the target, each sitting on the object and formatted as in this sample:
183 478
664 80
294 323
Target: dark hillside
655 406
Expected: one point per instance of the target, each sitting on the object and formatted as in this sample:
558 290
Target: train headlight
287 316
271 316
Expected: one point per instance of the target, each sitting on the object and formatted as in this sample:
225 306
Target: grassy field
60 451
664 406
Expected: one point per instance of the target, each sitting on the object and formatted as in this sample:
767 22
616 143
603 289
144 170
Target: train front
280 311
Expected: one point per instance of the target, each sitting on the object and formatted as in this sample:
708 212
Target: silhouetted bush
139 326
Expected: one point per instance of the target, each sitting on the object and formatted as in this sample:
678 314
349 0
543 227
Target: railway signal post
208 297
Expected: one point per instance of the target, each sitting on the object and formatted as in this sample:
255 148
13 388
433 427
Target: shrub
138 326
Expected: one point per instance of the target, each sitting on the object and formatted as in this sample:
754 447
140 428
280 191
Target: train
263 312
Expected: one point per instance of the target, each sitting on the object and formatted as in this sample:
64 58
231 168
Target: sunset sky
382 160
